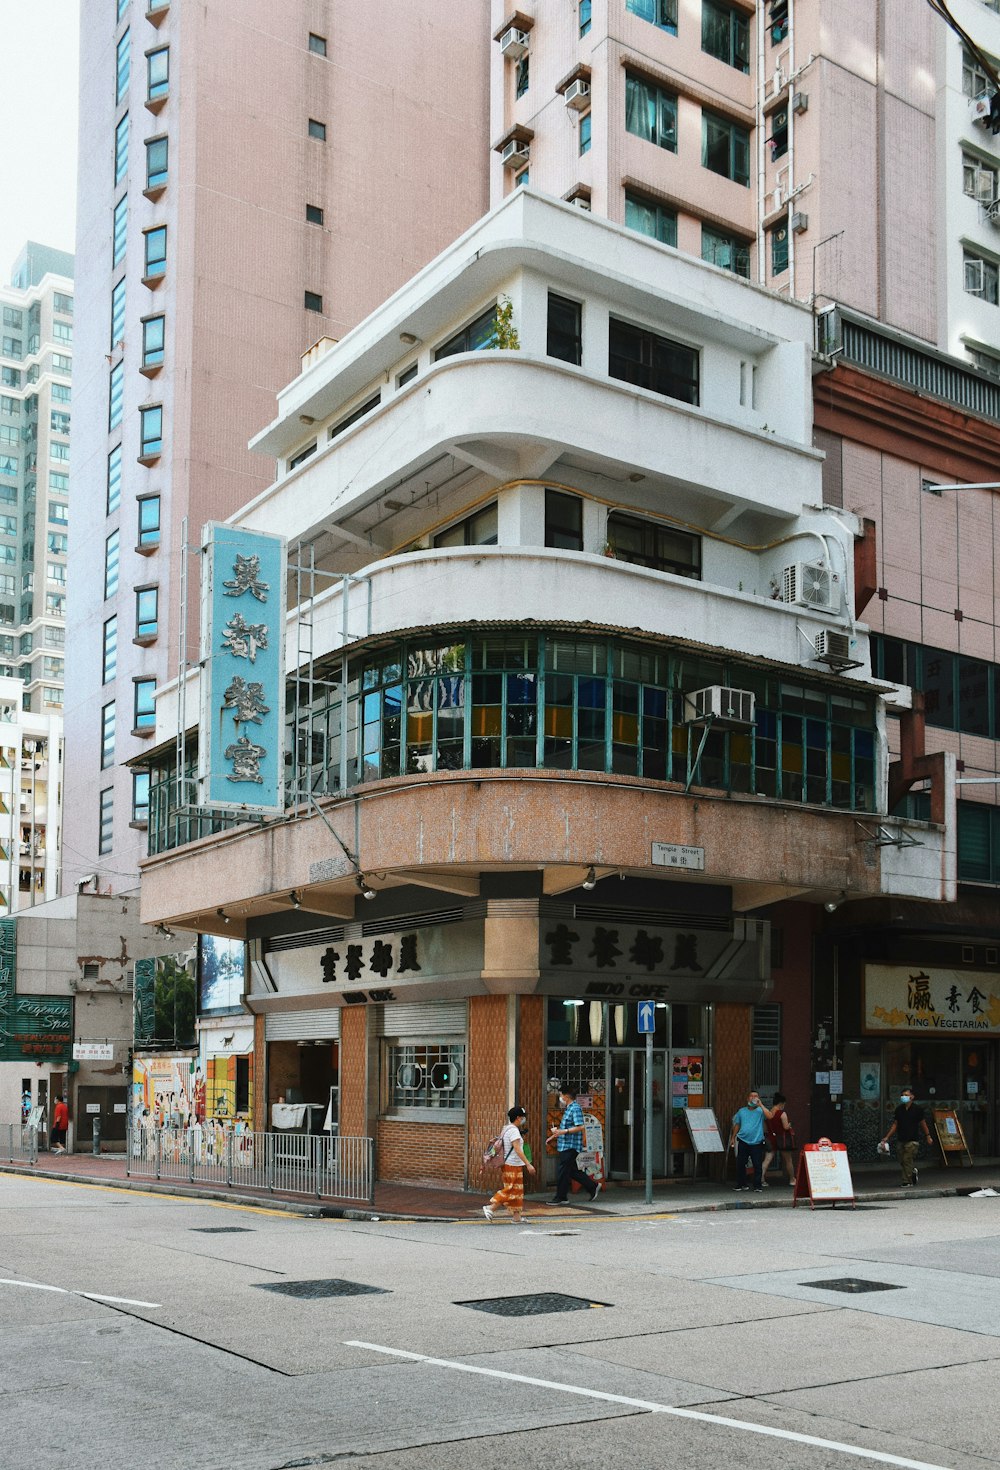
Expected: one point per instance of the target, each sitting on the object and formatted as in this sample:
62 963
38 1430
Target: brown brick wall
261 1112
732 1065
353 1051
531 1071
416 1153
487 1101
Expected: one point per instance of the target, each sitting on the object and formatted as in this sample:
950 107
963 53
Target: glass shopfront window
538 700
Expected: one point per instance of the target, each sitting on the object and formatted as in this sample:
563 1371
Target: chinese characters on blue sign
243 660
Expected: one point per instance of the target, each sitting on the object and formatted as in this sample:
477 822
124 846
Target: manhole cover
853 1284
221 1230
532 1306
312 1290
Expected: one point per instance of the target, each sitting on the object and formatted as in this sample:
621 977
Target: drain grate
855 1285
221 1230
532 1306
313 1290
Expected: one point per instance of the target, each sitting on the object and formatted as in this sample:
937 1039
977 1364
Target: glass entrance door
626 1138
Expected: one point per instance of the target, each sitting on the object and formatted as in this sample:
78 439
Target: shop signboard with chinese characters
241 732
425 964
919 1000
621 961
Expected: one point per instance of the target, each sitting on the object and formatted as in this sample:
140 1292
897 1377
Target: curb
318 1211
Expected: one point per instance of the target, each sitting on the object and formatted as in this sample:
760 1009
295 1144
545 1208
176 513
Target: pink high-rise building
251 179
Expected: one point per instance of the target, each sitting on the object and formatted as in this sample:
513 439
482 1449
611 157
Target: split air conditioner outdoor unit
809 584
833 648
514 44
800 102
799 222
577 95
979 107
721 705
515 154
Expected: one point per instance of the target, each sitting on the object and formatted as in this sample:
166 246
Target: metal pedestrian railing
324 1166
18 1143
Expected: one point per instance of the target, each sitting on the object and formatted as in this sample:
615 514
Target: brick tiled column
261 1119
353 1071
487 1097
732 1080
530 1071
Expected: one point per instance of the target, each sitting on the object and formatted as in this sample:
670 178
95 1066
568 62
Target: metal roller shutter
321 1025
428 1018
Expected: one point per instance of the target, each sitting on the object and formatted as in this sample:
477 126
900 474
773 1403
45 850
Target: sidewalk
872 1182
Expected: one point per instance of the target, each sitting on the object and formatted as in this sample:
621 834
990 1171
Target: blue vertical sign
241 733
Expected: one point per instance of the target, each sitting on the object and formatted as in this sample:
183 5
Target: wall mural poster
221 974
163 1091
870 1080
164 999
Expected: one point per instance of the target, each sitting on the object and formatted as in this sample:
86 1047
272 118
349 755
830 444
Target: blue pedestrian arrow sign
647 1014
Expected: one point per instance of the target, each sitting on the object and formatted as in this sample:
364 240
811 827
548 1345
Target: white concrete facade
31 786
506 427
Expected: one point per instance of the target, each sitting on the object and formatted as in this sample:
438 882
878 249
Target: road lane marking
163 1194
654 1408
93 1296
119 1301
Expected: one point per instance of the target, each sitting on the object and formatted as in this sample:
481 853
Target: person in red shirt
60 1122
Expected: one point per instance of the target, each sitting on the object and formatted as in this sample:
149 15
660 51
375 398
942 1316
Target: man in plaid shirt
569 1141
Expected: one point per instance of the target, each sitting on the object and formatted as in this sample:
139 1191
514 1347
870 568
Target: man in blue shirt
748 1136
569 1141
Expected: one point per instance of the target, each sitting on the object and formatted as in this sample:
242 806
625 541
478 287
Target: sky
39 47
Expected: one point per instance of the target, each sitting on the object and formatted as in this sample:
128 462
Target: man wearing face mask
909 1125
748 1139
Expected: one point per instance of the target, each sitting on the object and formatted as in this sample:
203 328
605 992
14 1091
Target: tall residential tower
252 179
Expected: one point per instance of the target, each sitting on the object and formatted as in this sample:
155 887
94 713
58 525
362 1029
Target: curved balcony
515 415
486 584
442 831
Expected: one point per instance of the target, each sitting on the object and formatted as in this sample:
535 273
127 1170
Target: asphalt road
140 1331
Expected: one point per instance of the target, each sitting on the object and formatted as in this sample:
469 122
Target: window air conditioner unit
799 222
833 648
514 45
979 107
581 202
577 95
809 584
720 705
515 153
800 102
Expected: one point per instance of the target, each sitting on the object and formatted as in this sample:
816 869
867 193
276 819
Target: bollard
97 1135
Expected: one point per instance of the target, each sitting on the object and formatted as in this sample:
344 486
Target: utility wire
940 8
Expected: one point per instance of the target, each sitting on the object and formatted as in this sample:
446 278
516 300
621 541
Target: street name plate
673 855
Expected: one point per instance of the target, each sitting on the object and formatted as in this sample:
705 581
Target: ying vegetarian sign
925 1000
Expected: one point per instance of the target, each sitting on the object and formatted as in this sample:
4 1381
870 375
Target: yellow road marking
181 1199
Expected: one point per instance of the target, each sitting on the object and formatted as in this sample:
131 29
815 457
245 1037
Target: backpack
494 1153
